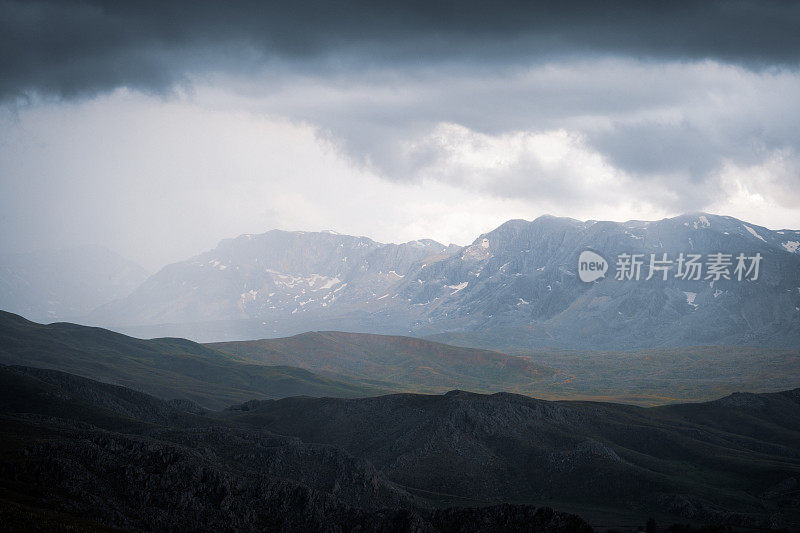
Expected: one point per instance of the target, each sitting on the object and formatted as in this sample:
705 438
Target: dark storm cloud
660 96
677 123
68 48
657 149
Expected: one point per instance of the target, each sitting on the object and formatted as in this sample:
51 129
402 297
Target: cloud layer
664 130
83 47
426 118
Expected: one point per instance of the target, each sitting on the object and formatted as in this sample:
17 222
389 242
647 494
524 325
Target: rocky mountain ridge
516 281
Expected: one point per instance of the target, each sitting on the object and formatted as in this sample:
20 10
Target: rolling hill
395 362
653 376
355 365
167 368
644 377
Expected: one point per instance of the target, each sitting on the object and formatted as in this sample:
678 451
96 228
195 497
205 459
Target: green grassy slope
167 368
653 376
403 363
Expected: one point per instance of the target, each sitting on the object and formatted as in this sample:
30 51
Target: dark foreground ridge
93 455
90 456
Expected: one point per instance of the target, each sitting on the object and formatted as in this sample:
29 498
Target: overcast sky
159 129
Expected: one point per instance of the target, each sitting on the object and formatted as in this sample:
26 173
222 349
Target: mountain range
516 286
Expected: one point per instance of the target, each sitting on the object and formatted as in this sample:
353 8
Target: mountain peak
516 283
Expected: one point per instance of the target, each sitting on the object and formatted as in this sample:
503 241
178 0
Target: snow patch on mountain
314 282
459 287
701 222
477 252
249 295
753 232
216 263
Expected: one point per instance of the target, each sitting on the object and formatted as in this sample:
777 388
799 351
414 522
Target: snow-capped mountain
516 285
275 275
66 283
